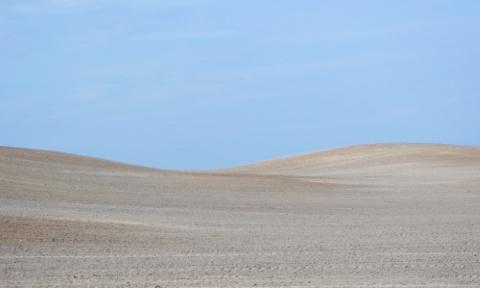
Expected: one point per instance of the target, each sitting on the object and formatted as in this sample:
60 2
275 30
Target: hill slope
384 215
365 156
417 163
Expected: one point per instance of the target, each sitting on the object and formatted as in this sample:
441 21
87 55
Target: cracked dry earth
385 215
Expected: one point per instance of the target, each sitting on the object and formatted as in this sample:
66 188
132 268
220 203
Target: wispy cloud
75 6
166 4
96 37
89 93
347 35
55 6
307 67
183 35
124 33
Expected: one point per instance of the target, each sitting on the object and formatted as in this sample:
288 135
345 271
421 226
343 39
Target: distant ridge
368 161
307 164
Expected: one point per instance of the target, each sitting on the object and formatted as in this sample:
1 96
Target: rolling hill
382 215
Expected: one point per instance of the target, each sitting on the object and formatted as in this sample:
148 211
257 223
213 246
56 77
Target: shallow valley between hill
380 215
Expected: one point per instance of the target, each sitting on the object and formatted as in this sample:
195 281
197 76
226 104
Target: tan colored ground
396 215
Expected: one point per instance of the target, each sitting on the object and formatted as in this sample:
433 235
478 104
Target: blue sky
187 84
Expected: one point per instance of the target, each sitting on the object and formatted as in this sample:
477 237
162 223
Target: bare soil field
383 215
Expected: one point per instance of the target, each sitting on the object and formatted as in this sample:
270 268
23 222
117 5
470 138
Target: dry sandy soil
390 215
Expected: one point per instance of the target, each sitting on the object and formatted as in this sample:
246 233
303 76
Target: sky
200 84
